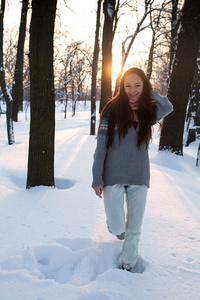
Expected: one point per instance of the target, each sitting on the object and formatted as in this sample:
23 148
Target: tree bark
17 88
193 107
155 24
94 71
5 91
106 78
150 58
174 31
181 77
42 128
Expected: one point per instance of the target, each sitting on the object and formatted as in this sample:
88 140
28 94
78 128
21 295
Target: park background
54 240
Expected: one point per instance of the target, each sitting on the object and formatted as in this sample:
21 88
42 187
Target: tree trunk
42 128
66 94
174 31
94 71
150 58
106 78
5 91
181 77
154 28
17 88
193 107
198 156
72 89
197 92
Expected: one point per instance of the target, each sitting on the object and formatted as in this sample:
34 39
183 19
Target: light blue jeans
130 223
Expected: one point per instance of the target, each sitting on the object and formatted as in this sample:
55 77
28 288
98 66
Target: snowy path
54 242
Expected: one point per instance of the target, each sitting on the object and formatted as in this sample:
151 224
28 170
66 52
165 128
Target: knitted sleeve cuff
164 106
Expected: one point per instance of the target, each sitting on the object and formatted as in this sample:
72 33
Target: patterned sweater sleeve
100 153
164 106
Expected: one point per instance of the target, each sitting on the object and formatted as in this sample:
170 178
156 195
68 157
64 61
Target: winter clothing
131 224
124 163
123 170
134 104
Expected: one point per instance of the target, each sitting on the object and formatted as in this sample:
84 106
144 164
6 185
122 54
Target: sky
78 17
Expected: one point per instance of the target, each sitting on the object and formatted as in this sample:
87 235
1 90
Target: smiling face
133 86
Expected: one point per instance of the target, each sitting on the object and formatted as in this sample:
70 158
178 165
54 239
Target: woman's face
133 86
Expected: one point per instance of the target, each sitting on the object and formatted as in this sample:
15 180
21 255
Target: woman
121 160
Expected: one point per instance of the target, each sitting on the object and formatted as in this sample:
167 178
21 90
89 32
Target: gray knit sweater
124 163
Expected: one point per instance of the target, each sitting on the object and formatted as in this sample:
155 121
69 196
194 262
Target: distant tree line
52 70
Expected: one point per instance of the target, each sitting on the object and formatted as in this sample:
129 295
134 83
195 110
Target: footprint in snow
73 261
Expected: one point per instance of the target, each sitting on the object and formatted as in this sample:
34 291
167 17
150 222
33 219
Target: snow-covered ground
54 244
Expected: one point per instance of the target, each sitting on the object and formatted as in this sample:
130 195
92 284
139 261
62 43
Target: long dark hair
120 112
